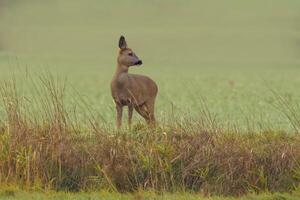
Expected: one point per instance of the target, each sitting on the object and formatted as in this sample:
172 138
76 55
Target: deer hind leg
143 111
150 105
146 110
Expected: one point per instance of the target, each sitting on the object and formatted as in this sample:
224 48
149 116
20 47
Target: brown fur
135 91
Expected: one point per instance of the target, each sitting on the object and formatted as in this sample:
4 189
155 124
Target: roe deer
132 90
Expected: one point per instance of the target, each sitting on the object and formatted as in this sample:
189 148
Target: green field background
225 53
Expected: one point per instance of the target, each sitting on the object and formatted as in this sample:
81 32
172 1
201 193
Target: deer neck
120 74
121 69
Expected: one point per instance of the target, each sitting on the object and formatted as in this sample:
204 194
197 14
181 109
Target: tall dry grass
44 144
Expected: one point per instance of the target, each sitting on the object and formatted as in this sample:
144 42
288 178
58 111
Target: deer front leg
119 109
130 111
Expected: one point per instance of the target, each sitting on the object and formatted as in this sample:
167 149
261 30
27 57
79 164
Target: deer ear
122 42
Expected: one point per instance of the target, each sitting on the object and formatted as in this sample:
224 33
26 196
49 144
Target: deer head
126 56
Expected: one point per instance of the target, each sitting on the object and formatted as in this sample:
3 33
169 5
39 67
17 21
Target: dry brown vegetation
53 149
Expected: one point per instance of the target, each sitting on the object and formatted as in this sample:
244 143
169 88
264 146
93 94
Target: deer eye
130 54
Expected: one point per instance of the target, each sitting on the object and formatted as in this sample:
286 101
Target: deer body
135 91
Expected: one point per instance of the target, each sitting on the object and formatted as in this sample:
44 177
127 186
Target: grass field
10 193
228 53
223 68
110 196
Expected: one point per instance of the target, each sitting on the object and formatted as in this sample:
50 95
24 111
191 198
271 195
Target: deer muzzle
138 63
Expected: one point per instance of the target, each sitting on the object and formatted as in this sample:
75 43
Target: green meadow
228 54
11 194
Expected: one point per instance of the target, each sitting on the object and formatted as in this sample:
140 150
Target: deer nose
139 62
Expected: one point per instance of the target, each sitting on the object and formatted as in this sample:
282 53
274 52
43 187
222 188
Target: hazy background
224 51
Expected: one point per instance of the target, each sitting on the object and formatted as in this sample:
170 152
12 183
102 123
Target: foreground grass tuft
52 149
